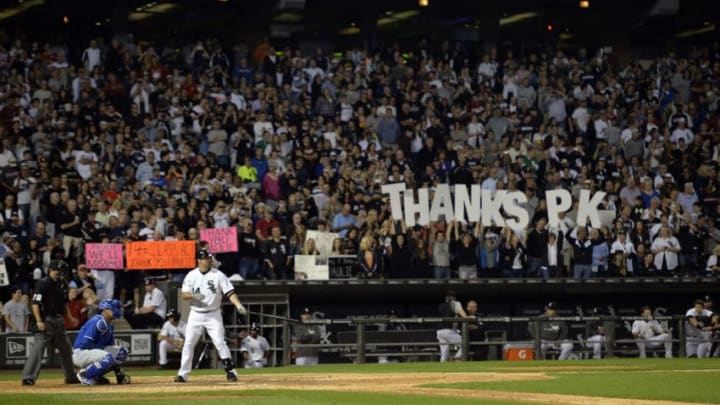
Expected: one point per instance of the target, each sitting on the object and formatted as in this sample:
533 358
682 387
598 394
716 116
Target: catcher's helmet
113 305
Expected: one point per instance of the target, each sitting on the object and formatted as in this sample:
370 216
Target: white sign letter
471 204
442 203
395 190
421 207
557 201
511 205
588 208
491 208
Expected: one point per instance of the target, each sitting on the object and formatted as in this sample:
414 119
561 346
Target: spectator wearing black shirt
277 256
248 249
70 224
462 247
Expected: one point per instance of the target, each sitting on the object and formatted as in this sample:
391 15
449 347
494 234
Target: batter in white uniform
255 349
205 286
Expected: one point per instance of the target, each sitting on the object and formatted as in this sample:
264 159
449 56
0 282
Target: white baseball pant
448 337
699 348
163 348
306 361
655 342
196 324
83 358
565 348
596 343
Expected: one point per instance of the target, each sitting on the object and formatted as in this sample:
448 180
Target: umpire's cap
204 254
59 265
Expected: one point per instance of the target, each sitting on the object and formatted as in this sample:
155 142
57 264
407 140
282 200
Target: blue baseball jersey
97 333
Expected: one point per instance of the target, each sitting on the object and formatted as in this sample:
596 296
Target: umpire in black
49 305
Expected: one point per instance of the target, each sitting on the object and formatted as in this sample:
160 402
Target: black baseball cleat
122 378
102 380
72 381
231 377
180 379
28 381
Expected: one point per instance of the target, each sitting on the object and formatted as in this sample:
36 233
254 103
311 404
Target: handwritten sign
160 255
220 240
342 266
308 267
4 279
323 241
104 255
607 217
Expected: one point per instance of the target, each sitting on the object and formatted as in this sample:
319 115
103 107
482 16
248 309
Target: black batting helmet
204 254
173 313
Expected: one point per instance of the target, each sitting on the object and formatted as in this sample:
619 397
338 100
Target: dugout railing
362 341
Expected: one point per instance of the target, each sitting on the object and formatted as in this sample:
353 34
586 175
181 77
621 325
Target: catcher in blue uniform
94 351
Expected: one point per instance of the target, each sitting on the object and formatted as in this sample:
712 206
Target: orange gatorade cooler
518 352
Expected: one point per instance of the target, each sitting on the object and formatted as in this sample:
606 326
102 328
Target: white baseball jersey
647 329
214 284
255 348
703 319
172 331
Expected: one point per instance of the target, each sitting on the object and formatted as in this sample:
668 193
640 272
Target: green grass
256 397
655 383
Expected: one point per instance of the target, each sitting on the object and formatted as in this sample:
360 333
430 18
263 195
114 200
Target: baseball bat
282 318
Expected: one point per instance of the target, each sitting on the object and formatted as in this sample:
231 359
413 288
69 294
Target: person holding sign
205 288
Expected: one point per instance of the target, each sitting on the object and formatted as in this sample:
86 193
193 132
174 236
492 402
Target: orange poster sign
160 255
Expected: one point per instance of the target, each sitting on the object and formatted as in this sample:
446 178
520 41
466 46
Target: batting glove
198 296
241 309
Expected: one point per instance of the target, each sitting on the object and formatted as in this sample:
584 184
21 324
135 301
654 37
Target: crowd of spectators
129 141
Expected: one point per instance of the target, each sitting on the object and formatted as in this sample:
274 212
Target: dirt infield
386 383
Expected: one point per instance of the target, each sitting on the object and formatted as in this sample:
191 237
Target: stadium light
423 3
584 3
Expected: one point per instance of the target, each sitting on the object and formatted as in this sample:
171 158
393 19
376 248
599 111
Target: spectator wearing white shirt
581 117
84 159
261 126
623 252
681 133
666 248
688 198
91 57
712 268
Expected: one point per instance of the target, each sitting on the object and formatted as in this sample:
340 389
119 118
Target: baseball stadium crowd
131 141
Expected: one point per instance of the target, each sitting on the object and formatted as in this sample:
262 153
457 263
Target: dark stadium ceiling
343 19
